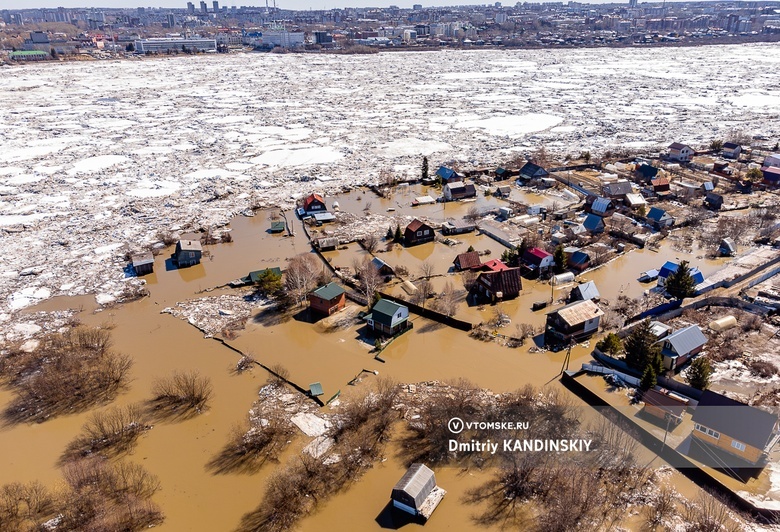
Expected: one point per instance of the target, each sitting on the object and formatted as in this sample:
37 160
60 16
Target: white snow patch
310 424
512 125
96 164
298 157
104 299
413 146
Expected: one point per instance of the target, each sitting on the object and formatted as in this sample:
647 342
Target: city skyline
284 4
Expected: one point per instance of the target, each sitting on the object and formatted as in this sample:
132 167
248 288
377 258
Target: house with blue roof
670 267
594 224
659 218
448 175
532 171
585 292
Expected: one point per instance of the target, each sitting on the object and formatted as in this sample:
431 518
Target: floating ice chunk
104 299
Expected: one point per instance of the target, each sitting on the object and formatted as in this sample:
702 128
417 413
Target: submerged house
188 253
680 346
457 227
574 322
417 232
578 260
728 247
388 318
663 404
328 299
314 203
670 267
585 292
417 493
537 261
498 285
143 263
467 261
459 190
448 175
734 427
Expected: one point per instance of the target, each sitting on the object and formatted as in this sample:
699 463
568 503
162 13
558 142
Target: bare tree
426 269
469 278
188 391
424 291
301 276
370 242
708 513
447 303
370 279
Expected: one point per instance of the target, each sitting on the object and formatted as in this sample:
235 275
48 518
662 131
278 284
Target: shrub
182 391
763 369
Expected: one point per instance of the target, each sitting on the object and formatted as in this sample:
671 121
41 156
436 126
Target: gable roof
468 260
578 312
666 400
660 182
587 291
670 267
384 310
446 173
601 205
311 199
647 170
593 222
745 423
620 188
536 255
530 169
686 340
255 275
415 225
657 214
495 265
379 263
139 259
678 146
417 483
579 257
329 291
507 280
635 199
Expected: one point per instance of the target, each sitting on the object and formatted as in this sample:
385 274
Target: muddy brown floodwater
194 498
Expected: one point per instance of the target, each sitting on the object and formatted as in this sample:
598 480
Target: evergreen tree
510 256
649 379
611 344
699 373
390 234
471 248
425 168
560 259
642 349
399 236
680 284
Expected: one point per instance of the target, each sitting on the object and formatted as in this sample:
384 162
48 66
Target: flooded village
301 363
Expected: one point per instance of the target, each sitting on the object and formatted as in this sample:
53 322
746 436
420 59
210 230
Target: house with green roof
388 318
328 299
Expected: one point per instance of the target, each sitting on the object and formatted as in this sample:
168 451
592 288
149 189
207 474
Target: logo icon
456 425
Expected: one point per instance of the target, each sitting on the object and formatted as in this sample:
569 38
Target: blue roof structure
593 223
670 267
656 214
446 173
601 205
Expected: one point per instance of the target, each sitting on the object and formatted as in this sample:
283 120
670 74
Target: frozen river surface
96 156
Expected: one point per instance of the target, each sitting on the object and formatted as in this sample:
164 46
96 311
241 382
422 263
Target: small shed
584 292
727 247
417 493
315 389
278 227
663 404
328 243
143 263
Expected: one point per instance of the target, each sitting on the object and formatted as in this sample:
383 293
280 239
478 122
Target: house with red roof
537 261
314 203
417 232
467 261
494 265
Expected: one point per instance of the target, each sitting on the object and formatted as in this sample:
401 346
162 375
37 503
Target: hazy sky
287 4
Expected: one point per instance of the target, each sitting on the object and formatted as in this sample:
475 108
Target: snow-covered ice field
99 155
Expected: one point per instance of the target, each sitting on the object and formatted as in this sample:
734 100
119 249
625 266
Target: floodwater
193 497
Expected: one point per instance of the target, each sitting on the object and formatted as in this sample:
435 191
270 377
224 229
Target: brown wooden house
467 261
327 299
498 285
665 405
314 203
733 427
418 232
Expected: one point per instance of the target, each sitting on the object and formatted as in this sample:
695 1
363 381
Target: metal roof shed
417 493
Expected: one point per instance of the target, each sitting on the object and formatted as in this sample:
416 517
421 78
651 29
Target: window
738 445
700 428
192 254
419 233
714 434
425 232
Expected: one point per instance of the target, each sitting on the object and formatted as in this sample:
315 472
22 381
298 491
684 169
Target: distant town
45 34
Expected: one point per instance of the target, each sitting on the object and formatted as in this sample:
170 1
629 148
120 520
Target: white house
772 160
731 150
680 152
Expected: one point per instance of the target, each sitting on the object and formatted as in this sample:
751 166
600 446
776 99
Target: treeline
68 372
